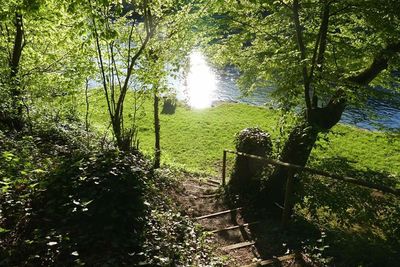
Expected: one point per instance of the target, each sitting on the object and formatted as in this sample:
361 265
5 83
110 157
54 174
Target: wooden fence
292 169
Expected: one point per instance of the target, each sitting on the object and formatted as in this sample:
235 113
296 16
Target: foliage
352 219
134 43
64 202
68 197
250 139
172 238
54 56
259 38
247 173
48 216
352 216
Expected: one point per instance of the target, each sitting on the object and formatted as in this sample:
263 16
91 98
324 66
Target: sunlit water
204 85
200 84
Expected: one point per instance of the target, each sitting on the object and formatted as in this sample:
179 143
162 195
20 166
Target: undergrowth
69 198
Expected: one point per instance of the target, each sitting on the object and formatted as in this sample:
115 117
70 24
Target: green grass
195 139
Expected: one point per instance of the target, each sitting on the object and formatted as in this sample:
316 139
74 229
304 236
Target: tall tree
120 38
39 55
165 58
318 54
123 33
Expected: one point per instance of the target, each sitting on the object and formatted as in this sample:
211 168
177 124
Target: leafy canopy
259 38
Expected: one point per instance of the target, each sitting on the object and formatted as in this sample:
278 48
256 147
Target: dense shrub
64 201
69 202
248 172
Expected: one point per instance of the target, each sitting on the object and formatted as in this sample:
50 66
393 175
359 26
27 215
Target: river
205 85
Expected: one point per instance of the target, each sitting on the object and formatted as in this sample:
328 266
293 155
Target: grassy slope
195 138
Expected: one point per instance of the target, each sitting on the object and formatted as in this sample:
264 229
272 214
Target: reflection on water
204 85
384 113
200 83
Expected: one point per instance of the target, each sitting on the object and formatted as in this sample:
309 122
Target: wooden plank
217 214
224 168
214 181
211 192
287 210
233 227
191 193
238 245
212 184
271 261
209 182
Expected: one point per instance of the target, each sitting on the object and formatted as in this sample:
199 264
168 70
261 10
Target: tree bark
14 117
301 141
296 150
157 148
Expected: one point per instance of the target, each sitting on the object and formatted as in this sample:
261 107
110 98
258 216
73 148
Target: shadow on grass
360 224
334 223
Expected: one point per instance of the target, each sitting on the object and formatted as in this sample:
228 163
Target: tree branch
300 43
100 62
379 63
149 33
284 4
323 36
18 45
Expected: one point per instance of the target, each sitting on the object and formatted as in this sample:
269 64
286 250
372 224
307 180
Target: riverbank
195 139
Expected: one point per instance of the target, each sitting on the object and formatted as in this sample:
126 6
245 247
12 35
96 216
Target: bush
248 172
64 203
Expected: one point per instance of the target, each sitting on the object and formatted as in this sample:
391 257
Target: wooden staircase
232 233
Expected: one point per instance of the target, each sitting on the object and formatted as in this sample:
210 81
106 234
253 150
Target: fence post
287 208
224 168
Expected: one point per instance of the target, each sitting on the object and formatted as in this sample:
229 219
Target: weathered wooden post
287 208
224 168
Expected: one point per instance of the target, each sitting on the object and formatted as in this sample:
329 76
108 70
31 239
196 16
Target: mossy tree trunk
318 119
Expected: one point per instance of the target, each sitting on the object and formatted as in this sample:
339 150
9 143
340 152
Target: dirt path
241 237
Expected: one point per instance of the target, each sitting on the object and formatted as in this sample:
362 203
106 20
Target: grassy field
195 139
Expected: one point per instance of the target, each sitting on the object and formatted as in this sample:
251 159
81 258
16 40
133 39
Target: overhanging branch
379 63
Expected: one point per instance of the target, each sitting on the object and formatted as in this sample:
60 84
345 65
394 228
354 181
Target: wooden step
215 182
209 195
271 261
233 227
213 185
216 214
238 245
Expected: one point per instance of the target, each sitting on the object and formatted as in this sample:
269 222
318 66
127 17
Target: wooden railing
292 169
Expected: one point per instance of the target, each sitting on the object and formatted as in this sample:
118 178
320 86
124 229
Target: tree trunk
14 117
301 141
296 150
157 148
